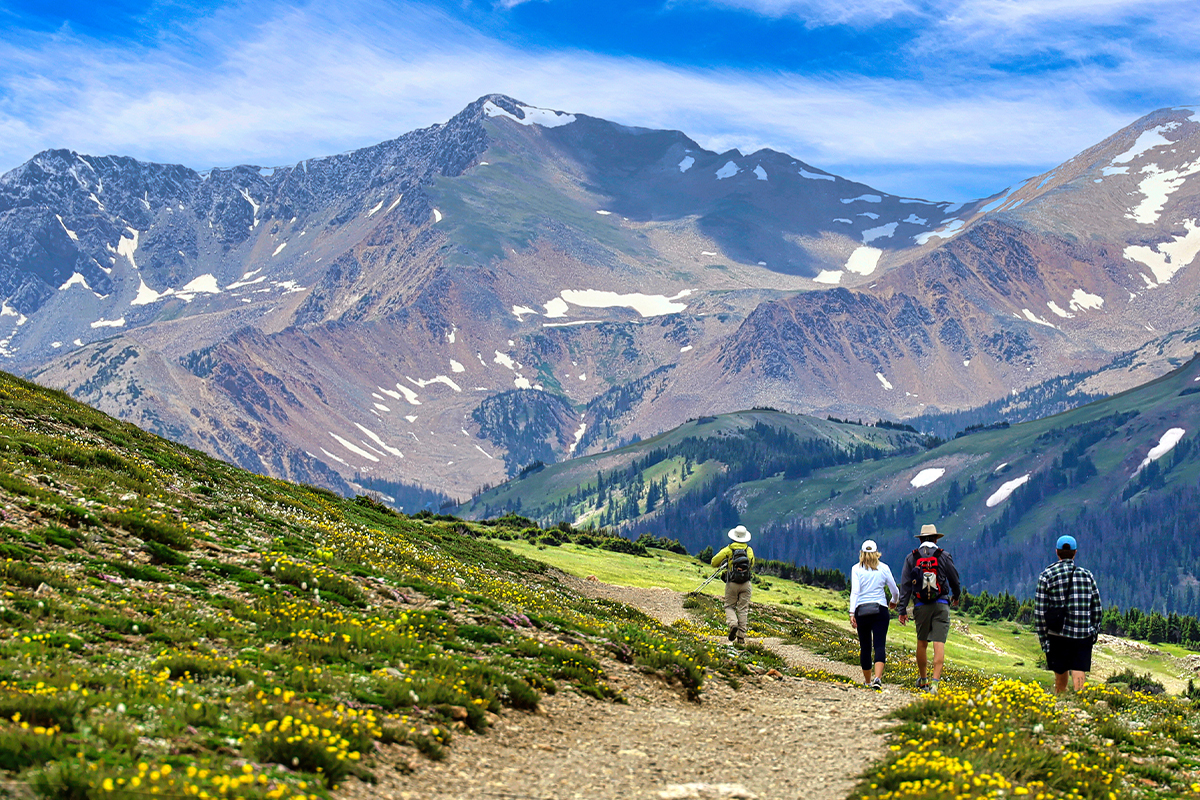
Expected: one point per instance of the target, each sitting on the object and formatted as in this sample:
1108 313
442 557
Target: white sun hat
740 534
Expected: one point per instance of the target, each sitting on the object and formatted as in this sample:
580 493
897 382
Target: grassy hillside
173 625
1003 493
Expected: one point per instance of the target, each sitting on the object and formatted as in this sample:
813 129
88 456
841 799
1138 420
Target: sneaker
733 633
922 684
877 684
741 641
933 687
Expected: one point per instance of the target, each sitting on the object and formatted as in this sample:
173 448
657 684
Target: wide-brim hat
739 534
928 531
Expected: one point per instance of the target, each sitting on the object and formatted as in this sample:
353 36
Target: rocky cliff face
521 284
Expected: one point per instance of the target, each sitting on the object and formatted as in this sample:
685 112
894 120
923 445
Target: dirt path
772 738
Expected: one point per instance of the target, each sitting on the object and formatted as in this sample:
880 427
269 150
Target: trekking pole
707 581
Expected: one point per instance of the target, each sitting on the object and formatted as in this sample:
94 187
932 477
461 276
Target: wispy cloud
297 82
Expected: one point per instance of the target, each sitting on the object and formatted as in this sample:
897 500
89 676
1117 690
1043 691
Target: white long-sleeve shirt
867 585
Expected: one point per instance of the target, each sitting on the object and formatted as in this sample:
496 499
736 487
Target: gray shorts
933 622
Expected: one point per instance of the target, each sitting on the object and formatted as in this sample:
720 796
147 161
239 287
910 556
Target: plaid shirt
1055 587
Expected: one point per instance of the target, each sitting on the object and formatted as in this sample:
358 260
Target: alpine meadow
730 400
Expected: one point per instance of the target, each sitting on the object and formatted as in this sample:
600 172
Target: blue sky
942 100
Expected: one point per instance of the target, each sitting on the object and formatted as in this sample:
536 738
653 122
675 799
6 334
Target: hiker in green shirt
738 558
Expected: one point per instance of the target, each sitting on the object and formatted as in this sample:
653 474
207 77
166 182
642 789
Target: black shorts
1069 655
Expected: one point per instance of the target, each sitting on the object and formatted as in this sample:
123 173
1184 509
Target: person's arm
952 578
855 585
1097 611
905 588
720 557
891 584
749 554
1040 599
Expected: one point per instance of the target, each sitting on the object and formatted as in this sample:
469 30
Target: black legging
872 627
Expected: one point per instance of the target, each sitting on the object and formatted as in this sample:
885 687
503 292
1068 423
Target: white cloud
299 82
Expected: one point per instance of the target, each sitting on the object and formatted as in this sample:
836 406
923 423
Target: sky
939 99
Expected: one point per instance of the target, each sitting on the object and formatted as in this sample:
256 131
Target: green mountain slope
173 625
1003 494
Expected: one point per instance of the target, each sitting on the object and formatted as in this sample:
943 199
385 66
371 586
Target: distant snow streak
686 164
1167 258
927 476
1001 494
1164 446
533 116
728 171
886 383
815 176
830 276
867 198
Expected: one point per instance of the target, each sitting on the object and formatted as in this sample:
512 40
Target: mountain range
520 285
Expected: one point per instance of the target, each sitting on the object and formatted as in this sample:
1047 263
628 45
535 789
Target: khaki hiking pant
737 607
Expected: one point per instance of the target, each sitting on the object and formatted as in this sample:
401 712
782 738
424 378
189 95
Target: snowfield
926 476
1001 494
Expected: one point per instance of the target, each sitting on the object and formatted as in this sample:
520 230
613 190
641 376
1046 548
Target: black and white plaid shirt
1056 587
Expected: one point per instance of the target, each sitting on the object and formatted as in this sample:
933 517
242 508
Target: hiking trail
773 738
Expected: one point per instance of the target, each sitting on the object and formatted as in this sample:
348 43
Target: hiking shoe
932 688
877 684
733 633
922 684
741 641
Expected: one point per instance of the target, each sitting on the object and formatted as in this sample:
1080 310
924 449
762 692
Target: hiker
737 561
1066 616
870 610
931 580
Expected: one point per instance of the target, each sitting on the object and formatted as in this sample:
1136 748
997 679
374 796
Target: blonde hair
869 560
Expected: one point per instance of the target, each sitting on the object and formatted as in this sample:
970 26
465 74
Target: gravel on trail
773 738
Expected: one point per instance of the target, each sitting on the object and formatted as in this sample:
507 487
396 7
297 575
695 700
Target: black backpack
739 567
928 576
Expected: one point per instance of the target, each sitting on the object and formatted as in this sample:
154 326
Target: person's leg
1081 662
939 656
921 659
879 629
743 611
1080 678
731 619
1060 682
864 647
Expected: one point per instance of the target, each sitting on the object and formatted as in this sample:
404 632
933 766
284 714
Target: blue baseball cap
1066 543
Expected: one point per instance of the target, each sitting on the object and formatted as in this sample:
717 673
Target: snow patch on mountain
830 276
913 219
375 438
1164 446
1032 317
814 176
578 436
1167 258
456 367
883 231
954 226
544 117
603 213
926 477
437 216
70 232
421 383
253 205
279 249
647 305
1156 188
1085 301
1146 141
686 164
520 311
863 260
867 198
1001 494
353 448
127 247
1057 309
1107 171
728 171
108 323
760 173
376 208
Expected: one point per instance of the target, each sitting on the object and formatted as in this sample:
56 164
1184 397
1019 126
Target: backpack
928 577
739 567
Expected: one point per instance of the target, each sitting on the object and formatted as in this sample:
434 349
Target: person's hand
853 622
892 606
903 618
955 601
